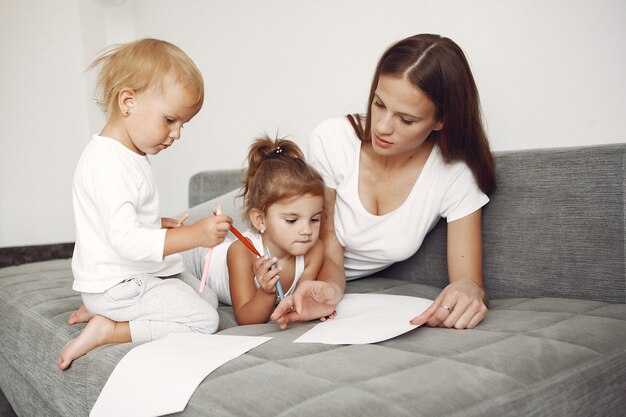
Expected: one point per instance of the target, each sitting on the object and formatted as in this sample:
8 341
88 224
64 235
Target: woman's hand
265 276
460 305
311 300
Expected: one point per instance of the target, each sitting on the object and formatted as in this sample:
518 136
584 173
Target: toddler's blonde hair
140 65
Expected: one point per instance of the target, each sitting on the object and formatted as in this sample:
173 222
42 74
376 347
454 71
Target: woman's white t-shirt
372 242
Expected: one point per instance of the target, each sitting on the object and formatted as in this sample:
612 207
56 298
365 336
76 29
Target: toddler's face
293 225
158 114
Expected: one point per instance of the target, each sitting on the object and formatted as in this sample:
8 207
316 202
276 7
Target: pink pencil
205 271
207 260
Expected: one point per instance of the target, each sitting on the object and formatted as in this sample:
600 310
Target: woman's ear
438 126
126 101
257 219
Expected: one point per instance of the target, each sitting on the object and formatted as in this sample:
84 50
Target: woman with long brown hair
419 154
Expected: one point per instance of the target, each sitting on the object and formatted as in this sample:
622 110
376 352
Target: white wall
550 74
43 119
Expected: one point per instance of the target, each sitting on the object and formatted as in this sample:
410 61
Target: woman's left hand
460 305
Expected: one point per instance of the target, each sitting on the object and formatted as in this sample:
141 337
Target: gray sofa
553 343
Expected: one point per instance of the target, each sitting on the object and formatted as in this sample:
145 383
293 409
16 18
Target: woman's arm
332 270
465 250
463 303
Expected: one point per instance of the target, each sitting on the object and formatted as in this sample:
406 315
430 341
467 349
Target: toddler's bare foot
81 315
99 331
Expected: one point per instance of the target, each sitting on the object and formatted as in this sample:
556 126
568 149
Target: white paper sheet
159 377
367 318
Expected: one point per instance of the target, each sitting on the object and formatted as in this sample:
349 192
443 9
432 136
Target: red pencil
244 240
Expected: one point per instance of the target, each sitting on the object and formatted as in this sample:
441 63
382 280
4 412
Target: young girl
125 261
283 199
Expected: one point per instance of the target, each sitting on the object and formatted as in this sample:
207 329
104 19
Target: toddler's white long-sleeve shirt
118 223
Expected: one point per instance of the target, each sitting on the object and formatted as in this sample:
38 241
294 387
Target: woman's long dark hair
438 67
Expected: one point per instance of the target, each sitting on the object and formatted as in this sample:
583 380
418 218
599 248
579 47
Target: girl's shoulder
238 252
315 255
313 261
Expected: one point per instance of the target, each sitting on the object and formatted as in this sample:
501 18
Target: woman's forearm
333 273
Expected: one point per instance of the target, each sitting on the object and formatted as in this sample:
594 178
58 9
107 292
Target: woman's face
402 117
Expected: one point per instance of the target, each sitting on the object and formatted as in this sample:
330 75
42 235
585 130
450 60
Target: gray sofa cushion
555 227
546 356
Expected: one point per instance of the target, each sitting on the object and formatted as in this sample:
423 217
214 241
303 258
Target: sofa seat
531 357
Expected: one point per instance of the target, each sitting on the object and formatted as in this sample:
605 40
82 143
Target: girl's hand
265 276
311 300
460 305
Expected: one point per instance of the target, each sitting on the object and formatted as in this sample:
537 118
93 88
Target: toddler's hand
213 229
169 223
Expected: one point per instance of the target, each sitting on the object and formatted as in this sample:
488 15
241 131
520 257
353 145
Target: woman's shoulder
337 123
457 187
447 169
334 134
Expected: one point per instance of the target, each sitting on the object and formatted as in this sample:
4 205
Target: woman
419 154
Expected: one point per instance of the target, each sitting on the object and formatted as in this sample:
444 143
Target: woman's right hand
311 300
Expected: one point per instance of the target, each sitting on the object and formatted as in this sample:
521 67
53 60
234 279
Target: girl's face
402 117
292 226
157 116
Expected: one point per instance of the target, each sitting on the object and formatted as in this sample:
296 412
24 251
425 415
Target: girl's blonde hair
277 171
142 64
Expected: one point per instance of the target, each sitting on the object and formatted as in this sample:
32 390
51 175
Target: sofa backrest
555 227
207 185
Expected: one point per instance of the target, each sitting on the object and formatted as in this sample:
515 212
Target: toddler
125 261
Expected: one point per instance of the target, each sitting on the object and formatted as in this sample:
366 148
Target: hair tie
276 152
